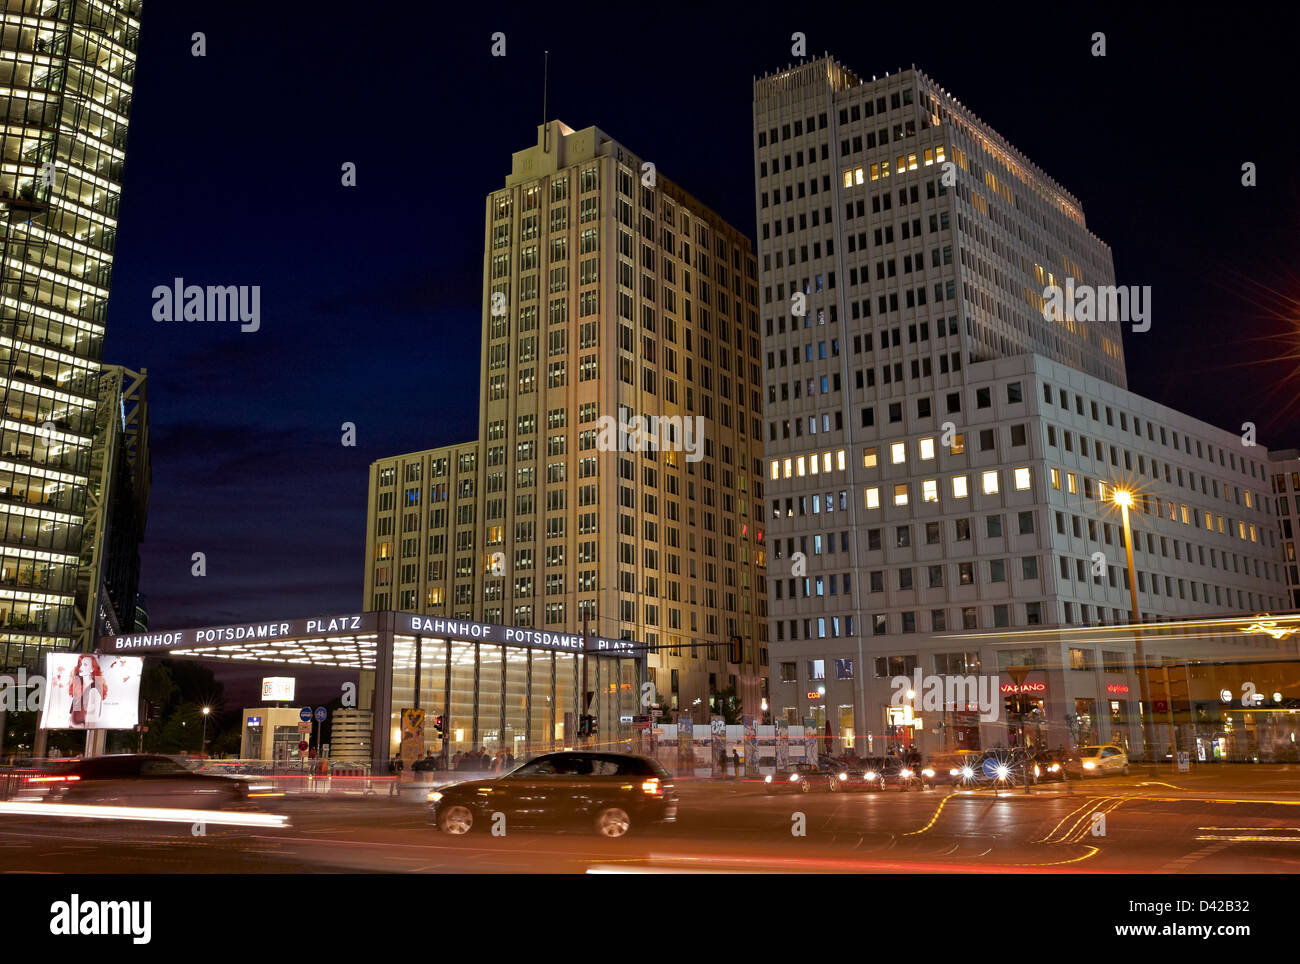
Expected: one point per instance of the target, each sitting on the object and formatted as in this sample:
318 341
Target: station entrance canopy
481 676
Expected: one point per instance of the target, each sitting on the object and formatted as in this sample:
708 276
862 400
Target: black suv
609 792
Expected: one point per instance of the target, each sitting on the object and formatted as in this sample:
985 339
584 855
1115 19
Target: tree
728 705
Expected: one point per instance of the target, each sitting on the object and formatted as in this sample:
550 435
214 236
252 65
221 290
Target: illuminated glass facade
66 74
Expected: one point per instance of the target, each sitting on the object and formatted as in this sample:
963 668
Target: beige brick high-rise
614 292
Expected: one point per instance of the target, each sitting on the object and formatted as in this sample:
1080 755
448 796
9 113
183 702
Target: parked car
611 793
1104 760
137 780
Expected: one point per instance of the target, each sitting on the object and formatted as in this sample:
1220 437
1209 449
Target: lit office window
991 482
927 449
869 458
959 487
1056 479
958 444
840 462
930 490
786 468
800 467
1022 479
1071 483
900 493
873 498
776 469
898 452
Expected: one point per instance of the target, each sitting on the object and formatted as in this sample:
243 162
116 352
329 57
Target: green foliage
728 705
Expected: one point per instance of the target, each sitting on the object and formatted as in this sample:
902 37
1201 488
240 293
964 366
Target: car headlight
1054 768
794 777
1037 771
953 772
905 773
1089 765
1002 772
967 772
871 774
844 776
434 796
768 778
927 772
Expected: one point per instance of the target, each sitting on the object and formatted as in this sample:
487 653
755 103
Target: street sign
304 727
321 714
302 746
625 719
304 714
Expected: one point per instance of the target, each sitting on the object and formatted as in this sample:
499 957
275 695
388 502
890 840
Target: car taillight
652 787
66 779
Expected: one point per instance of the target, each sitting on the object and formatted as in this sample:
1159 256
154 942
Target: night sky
370 294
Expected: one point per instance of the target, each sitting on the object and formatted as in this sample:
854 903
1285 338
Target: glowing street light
204 746
1124 499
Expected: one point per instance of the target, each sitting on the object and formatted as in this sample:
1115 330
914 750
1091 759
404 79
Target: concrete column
382 699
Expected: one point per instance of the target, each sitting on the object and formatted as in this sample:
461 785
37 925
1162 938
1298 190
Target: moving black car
864 774
906 775
136 780
801 777
609 792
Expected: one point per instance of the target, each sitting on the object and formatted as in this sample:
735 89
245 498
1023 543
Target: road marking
1187 860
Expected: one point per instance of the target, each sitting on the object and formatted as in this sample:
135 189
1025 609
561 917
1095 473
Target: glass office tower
66 74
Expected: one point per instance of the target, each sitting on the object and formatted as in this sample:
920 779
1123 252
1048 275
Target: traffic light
591 726
734 652
437 725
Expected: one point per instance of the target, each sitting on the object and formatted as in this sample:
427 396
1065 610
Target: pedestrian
735 761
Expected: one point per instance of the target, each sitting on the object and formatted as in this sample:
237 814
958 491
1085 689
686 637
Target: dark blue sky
370 294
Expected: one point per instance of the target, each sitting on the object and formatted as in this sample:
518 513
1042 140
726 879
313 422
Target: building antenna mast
546 63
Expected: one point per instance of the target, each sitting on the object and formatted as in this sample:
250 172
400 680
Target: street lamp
203 748
1124 499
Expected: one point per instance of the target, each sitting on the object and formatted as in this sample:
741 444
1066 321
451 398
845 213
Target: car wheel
613 822
835 786
804 786
456 820
1125 770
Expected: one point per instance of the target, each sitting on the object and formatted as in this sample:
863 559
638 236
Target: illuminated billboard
278 689
88 692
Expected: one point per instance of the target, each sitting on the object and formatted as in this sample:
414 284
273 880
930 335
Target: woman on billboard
87 690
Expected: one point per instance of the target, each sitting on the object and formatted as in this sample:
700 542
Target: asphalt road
1221 820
